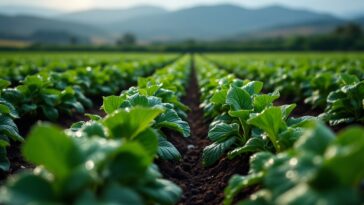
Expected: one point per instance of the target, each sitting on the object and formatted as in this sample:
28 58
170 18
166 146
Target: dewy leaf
139 100
29 188
254 144
238 99
270 120
238 183
112 103
4 84
259 160
162 191
243 115
7 108
93 128
215 151
348 79
129 163
253 87
315 140
128 124
51 147
170 119
167 150
9 128
260 102
149 140
344 157
287 109
222 130
219 97
116 194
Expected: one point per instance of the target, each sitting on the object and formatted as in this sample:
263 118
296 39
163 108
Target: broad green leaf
238 99
344 156
286 110
271 121
49 146
170 119
219 97
162 192
348 79
149 140
288 137
112 103
303 194
139 100
242 114
121 168
9 128
222 130
254 144
79 178
253 87
260 102
7 108
116 194
315 140
259 161
4 84
238 183
93 128
167 150
216 150
28 188
130 122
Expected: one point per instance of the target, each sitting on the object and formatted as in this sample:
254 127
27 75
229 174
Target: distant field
14 43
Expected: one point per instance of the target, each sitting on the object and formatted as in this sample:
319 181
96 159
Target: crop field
186 129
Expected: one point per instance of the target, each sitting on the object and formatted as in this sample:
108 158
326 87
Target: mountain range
150 23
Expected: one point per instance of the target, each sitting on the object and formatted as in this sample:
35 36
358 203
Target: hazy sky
332 6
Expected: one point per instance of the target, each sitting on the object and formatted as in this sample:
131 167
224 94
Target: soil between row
201 185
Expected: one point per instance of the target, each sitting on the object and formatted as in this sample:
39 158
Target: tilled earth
200 185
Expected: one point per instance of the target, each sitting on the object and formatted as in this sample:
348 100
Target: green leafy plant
154 94
346 105
321 168
247 121
90 164
8 129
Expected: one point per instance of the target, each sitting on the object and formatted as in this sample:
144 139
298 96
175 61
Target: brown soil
200 185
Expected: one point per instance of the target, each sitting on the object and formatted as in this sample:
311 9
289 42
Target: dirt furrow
200 185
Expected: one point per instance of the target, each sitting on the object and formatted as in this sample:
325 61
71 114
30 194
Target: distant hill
106 16
27 25
211 22
360 20
29 10
156 24
301 29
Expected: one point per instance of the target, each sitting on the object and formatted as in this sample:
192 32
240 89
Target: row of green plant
50 93
108 160
295 160
15 66
330 82
44 95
